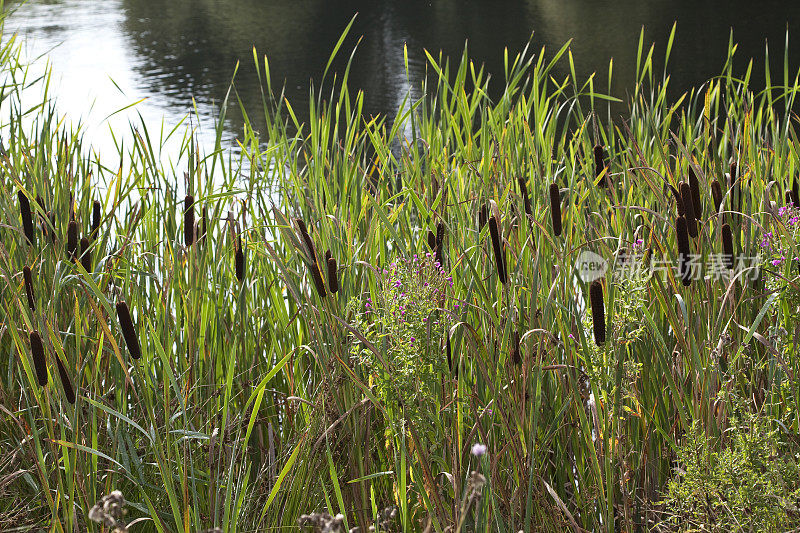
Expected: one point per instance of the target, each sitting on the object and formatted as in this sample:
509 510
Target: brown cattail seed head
796 193
97 214
716 193
678 200
727 245
72 239
483 217
523 190
598 312
600 165
694 183
431 240
239 262
497 246
555 208
86 255
27 218
688 207
333 277
66 383
28 277
39 361
188 220
319 283
440 243
515 350
128 331
312 253
682 234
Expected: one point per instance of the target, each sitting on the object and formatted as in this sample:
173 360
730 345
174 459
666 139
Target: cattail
555 208
431 240
694 183
678 200
440 243
333 277
27 219
188 220
727 245
69 391
523 190
515 351
600 165
684 250
796 193
86 255
483 217
72 239
37 351
97 214
319 283
307 239
598 312
497 246
716 193
688 207
239 261
128 331
28 277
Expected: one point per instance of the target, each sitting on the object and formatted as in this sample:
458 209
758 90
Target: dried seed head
97 215
66 382
678 200
319 283
440 243
688 207
727 245
431 240
27 218
600 165
28 277
515 350
483 217
598 312
555 208
523 190
497 246
796 193
694 183
52 218
239 262
72 239
682 235
716 193
333 277
188 220
128 330
86 255
39 361
312 252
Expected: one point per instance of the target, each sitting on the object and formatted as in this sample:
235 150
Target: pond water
177 53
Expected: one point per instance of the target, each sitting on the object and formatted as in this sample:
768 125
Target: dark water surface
170 51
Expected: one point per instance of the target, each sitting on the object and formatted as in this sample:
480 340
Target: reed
128 330
39 359
28 280
555 208
27 218
598 312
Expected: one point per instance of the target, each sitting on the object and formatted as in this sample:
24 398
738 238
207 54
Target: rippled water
170 51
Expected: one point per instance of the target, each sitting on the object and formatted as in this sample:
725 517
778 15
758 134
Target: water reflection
173 50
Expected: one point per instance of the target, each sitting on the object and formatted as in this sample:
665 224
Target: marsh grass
209 402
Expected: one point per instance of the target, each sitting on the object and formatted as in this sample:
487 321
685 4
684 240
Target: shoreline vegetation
385 325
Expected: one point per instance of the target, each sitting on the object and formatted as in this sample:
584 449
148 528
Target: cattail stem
28 277
523 190
66 382
497 246
188 220
727 245
27 218
555 208
128 330
682 235
598 312
688 207
72 239
333 277
39 361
